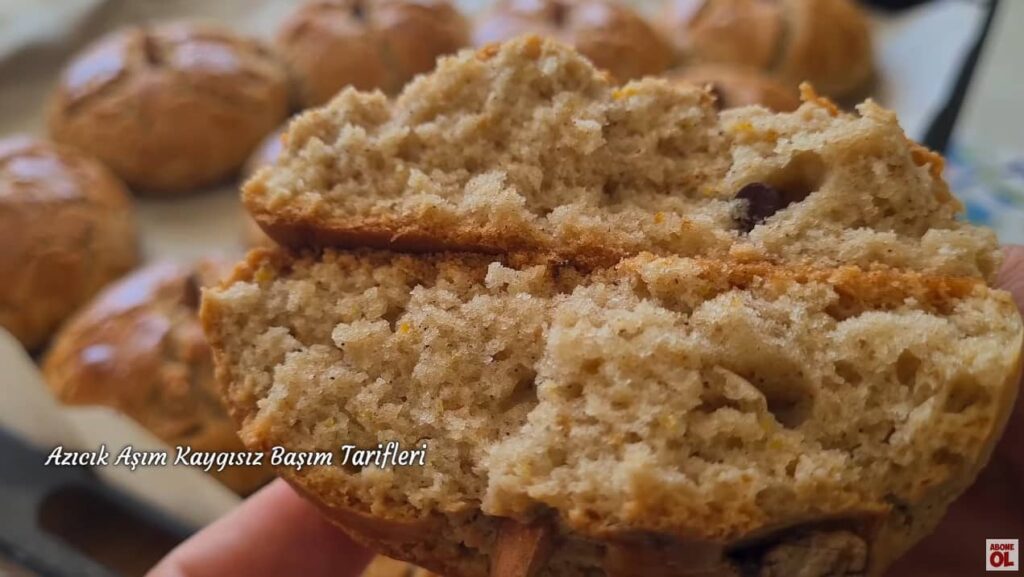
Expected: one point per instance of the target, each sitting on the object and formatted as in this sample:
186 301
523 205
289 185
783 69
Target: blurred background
128 126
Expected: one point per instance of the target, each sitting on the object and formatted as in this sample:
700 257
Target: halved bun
665 416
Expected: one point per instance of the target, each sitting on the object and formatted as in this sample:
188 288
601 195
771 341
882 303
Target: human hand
993 508
275 533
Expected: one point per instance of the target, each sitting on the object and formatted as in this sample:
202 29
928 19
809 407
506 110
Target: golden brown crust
170 108
825 42
408 237
372 44
735 86
68 229
881 288
611 35
139 348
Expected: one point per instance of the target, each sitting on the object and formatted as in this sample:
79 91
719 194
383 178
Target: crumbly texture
265 155
367 44
712 416
139 348
171 108
736 86
67 227
610 34
824 42
527 147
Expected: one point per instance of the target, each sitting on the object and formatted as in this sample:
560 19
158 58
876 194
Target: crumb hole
591 366
556 457
788 398
964 393
878 431
391 315
801 176
787 395
848 373
843 309
884 207
622 404
570 391
525 391
948 459
793 183
789 411
906 368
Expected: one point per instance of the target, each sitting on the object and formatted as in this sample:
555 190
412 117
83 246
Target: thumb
273 533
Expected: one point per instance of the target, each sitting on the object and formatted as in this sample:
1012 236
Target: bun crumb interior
745 407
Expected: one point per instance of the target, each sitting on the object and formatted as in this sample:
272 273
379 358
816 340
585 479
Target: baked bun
68 228
527 147
736 86
666 416
170 108
265 154
367 44
139 348
609 33
824 42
